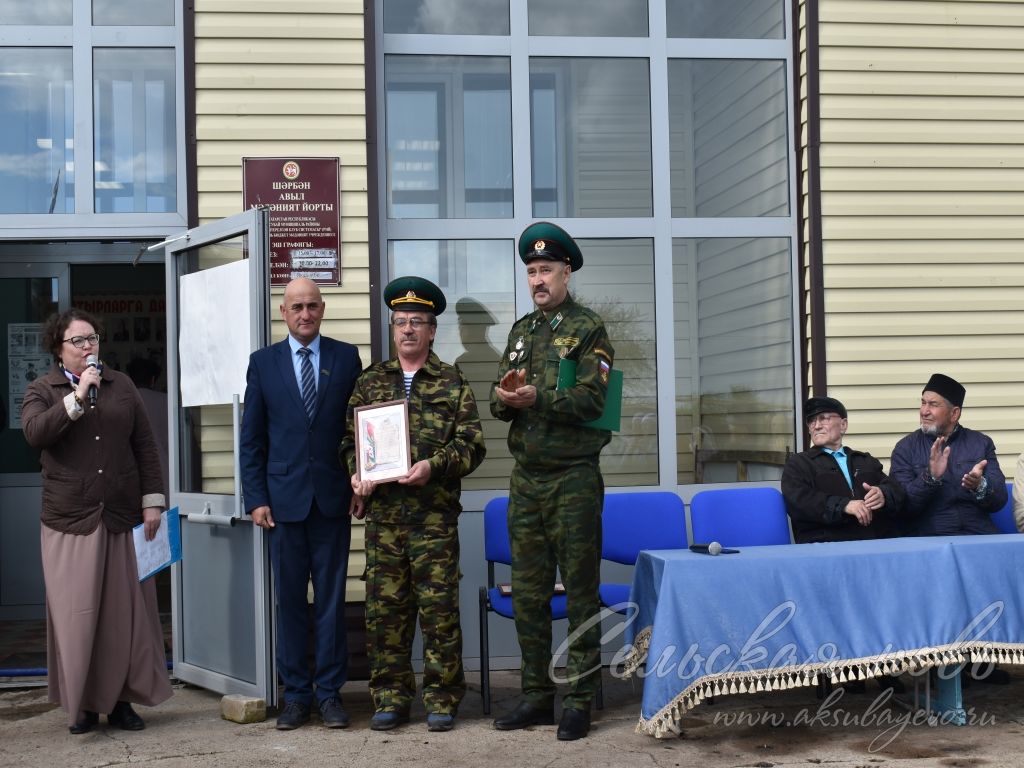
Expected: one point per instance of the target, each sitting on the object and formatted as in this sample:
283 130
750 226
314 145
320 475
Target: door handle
208 518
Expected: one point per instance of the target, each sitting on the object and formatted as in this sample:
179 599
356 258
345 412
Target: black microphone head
90 361
714 548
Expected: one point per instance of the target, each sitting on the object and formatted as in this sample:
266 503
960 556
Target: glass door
29 294
217 309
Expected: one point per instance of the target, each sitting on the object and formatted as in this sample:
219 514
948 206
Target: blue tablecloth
771 618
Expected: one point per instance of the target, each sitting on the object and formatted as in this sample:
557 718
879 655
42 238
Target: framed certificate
382 440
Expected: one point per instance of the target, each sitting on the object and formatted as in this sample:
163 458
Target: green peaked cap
544 240
414 294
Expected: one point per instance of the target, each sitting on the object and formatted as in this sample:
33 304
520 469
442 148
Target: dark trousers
315 548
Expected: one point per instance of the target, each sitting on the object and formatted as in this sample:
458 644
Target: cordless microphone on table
90 362
714 548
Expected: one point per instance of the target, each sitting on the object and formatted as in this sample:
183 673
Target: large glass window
37 131
617 282
44 12
135 13
136 149
600 18
590 137
734 358
728 138
452 17
449 137
669 164
477 279
725 18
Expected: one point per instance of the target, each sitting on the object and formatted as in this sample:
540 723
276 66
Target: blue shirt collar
295 346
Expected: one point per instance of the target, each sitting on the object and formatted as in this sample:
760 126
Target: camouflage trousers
413 571
554 520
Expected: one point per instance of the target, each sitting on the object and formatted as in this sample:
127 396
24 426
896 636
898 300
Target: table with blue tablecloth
779 617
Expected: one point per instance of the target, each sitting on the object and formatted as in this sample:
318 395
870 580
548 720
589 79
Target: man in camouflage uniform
412 525
556 491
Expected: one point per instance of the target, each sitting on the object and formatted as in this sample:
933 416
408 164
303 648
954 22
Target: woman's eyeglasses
79 341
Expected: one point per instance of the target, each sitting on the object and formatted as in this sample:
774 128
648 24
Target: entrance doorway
37 280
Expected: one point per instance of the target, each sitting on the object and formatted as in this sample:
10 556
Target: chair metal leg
485 661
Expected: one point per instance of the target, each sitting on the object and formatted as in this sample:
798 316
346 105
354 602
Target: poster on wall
302 194
134 326
27 359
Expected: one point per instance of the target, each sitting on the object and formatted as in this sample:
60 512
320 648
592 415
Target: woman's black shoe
125 718
85 723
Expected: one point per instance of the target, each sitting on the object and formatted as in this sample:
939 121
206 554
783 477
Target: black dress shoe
125 718
332 713
85 723
525 715
575 724
293 716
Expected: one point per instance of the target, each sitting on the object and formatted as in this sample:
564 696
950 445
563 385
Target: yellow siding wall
287 78
922 123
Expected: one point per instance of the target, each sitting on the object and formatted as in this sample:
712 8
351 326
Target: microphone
90 362
714 548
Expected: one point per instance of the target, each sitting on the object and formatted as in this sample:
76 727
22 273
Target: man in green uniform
556 490
412 524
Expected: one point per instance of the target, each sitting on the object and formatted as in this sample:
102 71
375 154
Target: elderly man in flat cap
556 491
950 473
412 524
833 492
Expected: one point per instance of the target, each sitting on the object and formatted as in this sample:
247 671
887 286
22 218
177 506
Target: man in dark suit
296 398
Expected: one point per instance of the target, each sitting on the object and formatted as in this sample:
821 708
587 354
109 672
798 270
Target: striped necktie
308 384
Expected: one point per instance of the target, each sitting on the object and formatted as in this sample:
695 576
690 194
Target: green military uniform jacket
548 435
444 429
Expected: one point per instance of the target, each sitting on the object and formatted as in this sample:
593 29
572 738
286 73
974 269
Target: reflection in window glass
591 137
728 138
478 282
452 17
747 19
37 131
449 137
617 282
154 13
42 12
599 18
734 358
134 113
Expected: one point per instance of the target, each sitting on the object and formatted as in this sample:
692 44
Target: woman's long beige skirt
104 642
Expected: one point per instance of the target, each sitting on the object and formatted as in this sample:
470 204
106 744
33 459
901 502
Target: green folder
611 416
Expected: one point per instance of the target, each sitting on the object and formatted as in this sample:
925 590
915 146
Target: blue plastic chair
739 517
635 521
1004 519
498 549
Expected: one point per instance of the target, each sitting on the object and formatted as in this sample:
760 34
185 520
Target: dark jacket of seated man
821 504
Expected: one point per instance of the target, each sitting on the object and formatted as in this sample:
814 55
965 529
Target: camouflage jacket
444 429
549 435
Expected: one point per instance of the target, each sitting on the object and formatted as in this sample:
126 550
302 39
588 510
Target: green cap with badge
544 240
414 294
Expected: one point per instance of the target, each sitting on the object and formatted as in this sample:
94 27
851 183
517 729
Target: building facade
773 197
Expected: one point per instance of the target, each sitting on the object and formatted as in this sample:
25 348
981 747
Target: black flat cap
816 405
951 389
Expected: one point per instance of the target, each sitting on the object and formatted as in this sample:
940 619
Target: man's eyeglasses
415 323
79 341
824 418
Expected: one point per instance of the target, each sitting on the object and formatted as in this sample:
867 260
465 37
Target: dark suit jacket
286 459
816 493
